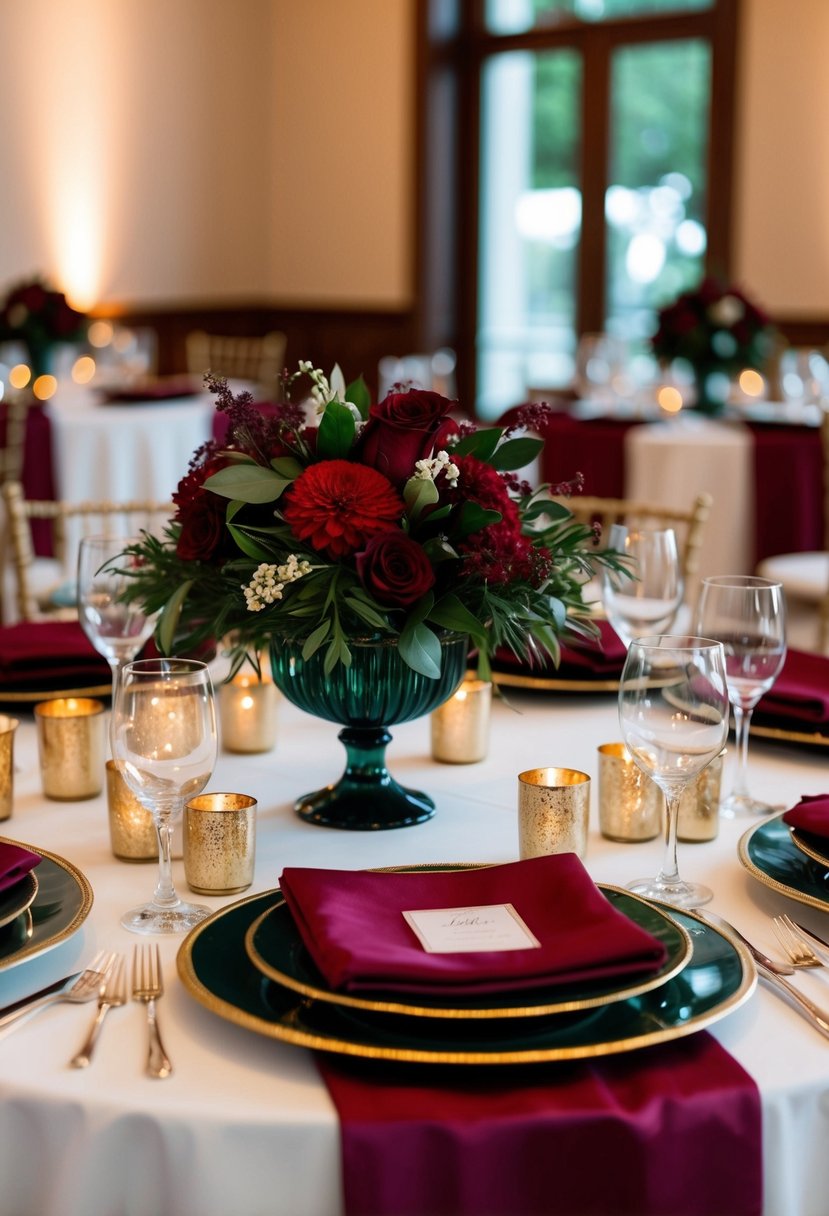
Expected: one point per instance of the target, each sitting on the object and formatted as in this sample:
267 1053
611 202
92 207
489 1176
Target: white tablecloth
669 463
245 1125
118 452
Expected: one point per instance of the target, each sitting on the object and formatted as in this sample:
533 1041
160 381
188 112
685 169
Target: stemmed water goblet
673 712
164 742
116 629
646 599
748 615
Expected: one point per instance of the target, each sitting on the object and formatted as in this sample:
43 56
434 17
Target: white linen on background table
245 1124
669 463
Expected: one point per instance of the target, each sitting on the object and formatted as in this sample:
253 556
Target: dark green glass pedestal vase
375 692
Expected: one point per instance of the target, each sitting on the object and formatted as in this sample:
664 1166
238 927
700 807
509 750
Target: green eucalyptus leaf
357 393
473 517
336 432
450 613
287 467
516 453
419 492
419 647
247 482
170 615
248 544
315 640
365 612
480 444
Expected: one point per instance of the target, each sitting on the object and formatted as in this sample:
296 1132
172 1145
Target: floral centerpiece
718 331
39 317
369 546
391 519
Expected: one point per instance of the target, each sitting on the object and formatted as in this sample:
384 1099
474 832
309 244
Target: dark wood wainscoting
356 339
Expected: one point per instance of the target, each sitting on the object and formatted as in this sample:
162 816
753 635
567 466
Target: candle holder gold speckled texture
631 806
699 808
553 811
219 843
7 728
460 727
132 830
70 736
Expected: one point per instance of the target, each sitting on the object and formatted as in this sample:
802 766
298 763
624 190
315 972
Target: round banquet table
245 1124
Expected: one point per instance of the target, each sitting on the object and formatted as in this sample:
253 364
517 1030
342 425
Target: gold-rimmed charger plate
216 971
548 683
22 696
61 904
17 899
812 846
810 738
769 854
275 948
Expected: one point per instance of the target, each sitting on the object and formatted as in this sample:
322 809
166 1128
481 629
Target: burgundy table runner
38 470
672 1130
788 479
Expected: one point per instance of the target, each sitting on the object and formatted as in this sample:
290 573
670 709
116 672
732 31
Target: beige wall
162 151
782 202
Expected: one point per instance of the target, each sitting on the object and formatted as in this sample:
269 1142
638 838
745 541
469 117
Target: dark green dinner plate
215 968
768 853
61 905
17 898
275 948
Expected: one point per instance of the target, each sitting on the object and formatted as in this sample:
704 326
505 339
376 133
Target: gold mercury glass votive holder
699 807
70 736
219 843
631 805
460 727
132 830
553 811
247 709
7 728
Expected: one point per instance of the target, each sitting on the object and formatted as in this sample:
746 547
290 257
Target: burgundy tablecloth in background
789 494
673 1130
38 469
594 448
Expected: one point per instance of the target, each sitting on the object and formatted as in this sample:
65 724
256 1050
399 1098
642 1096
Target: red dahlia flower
337 506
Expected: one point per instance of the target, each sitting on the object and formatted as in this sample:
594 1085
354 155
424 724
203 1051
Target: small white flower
268 582
727 311
430 469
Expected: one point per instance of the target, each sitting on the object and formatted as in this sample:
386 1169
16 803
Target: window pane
530 222
656 201
516 16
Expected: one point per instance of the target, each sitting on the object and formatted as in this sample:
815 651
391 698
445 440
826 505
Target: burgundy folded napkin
48 654
581 659
15 864
810 815
673 1129
800 694
353 926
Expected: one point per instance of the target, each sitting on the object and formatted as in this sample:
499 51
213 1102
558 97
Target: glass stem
165 893
669 873
742 719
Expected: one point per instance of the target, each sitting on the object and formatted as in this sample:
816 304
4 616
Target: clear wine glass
164 742
645 601
117 630
673 711
748 615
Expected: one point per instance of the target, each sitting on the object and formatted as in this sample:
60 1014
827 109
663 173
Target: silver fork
111 994
148 986
798 950
85 988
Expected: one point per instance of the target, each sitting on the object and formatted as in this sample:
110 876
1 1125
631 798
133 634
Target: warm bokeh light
44 387
83 369
20 375
670 399
100 333
752 383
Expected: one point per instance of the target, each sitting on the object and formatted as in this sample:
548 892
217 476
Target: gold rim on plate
812 738
517 679
400 1006
767 879
302 1038
9 696
32 949
815 854
26 897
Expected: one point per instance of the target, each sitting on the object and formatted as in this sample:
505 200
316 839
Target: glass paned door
517 16
530 224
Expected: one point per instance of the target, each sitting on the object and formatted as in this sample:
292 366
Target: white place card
471 930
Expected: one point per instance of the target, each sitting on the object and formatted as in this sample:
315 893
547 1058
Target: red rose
405 428
394 569
337 506
200 513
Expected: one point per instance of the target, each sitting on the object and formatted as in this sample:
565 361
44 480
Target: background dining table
245 1124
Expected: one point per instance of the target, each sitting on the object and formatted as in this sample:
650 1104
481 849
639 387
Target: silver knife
57 986
818 1017
759 957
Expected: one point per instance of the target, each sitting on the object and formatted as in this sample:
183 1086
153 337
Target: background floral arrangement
714 325
379 520
39 317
